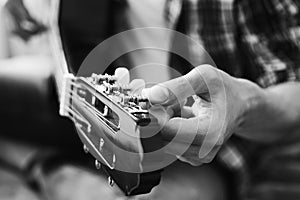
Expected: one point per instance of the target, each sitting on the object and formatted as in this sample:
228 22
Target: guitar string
69 108
72 93
75 95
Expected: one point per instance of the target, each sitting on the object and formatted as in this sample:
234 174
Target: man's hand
195 133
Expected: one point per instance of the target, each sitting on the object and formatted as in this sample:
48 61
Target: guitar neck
103 118
61 69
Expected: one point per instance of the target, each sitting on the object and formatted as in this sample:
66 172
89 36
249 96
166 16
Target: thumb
176 90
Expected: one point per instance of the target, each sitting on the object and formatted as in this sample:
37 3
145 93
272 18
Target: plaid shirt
258 40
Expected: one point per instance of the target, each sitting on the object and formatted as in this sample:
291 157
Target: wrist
253 100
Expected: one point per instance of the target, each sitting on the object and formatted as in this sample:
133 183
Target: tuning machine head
108 114
100 79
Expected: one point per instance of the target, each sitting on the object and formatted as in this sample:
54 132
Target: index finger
197 130
178 89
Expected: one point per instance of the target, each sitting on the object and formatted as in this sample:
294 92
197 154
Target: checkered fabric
258 40
270 35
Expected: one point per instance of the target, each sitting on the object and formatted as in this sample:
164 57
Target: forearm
272 113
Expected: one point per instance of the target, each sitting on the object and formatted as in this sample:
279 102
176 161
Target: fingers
191 130
169 92
195 82
161 114
137 85
122 75
196 130
190 153
184 112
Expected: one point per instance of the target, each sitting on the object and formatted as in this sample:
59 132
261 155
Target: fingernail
157 94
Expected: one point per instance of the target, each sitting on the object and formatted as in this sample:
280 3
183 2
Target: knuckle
211 75
205 67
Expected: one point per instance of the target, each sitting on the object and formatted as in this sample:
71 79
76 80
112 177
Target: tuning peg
101 144
111 181
122 75
137 85
99 78
97 164
114 161
85 149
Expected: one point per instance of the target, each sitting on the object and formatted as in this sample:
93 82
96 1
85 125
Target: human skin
223 106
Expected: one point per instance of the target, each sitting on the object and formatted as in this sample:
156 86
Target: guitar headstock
116 127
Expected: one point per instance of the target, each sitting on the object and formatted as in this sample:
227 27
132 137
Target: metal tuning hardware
67 96
110 120
134 104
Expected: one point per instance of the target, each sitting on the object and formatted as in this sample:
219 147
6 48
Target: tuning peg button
101 144
97 164
85 149
111 181
122 75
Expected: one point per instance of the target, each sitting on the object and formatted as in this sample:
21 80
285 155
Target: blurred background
41 156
